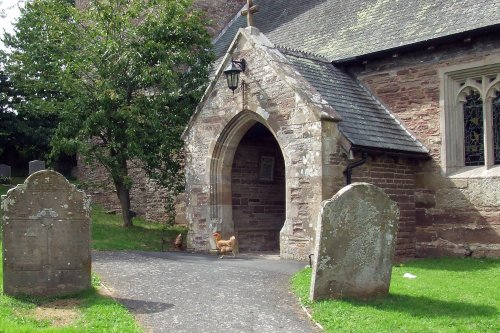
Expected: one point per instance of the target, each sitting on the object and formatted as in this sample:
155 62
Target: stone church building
401 94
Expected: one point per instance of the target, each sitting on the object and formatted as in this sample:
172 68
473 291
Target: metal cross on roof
251 9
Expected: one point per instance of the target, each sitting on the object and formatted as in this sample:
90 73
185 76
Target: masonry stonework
147 198
441 213
396 176
289 116
455 215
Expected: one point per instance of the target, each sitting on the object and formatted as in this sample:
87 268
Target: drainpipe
348 170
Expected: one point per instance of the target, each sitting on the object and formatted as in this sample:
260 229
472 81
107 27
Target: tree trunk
124 196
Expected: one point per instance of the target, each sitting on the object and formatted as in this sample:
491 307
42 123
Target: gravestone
355 244
46 237
5 171
35 166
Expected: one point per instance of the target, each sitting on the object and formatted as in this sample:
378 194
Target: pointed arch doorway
248 187
258 190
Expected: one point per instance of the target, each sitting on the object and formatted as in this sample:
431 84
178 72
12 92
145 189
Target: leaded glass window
495 108
473 129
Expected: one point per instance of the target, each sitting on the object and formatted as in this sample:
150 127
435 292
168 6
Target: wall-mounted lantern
233 71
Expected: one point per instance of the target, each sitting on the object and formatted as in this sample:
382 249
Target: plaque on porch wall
266 170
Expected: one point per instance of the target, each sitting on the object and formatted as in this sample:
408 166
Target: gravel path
181 292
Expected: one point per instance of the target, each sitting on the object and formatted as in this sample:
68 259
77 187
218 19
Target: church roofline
302 54
228 25
344 31
322 109
388 151
464 36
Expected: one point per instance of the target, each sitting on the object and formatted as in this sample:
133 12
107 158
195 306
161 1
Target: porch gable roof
365 121
277 61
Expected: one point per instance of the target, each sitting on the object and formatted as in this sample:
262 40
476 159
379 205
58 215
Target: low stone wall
147 197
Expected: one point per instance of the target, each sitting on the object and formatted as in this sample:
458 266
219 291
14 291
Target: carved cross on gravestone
251 9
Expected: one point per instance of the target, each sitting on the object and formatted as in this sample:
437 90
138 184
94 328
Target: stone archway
221 168
258 190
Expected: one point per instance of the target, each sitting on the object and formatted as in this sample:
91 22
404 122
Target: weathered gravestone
355 244
35 166
46 237
5 171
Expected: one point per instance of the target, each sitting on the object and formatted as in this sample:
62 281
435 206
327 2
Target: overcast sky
9 11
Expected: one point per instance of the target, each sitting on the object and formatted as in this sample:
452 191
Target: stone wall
396 176
454 215
147 199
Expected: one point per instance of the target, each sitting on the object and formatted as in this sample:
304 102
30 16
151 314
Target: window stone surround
455 82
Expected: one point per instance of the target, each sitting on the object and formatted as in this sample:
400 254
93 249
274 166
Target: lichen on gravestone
355 244
46 237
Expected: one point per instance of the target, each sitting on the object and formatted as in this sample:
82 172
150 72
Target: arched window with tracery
471 120
495 109
473 129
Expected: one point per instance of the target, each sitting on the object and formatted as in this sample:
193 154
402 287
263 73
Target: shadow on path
138 306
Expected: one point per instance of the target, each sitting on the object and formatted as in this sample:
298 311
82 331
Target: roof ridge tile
301 54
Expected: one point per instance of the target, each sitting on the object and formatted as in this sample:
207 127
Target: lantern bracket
233 71
241 63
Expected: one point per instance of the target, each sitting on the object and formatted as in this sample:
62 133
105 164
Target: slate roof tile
365 122
341 29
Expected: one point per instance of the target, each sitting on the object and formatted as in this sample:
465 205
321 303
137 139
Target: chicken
226 246
178 242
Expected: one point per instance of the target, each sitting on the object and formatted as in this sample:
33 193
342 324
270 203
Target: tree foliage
7 117
24 135
123 76
30 98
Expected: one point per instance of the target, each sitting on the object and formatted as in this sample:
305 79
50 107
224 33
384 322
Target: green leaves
123 76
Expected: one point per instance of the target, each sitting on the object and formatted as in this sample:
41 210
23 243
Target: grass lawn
85 312
448 295
108 233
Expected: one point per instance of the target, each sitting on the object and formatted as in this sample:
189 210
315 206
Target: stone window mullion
458 136
495 109
488 133
492 130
